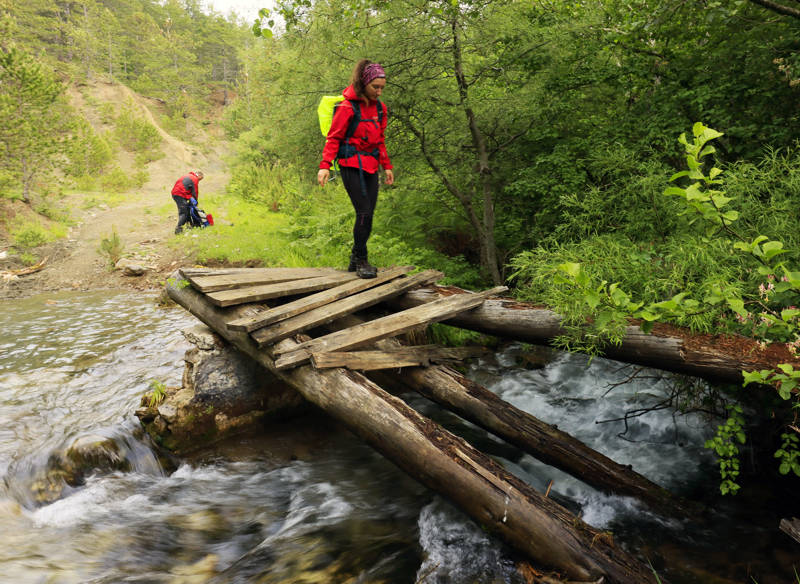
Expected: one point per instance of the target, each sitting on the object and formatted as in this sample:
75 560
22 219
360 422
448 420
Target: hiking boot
353 266
365 270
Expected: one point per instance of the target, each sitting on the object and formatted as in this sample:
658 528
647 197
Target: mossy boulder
223 393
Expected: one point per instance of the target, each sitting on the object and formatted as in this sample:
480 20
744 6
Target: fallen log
791 528
545 442
719 357
504 505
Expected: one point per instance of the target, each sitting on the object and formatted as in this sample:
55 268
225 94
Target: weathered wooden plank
329 312
203 271
216 282
421 355
265 292
381 328
301 305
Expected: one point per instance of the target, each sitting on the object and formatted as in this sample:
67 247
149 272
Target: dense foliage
170 51
541 137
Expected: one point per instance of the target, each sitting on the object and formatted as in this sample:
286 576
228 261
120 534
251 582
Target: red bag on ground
210 218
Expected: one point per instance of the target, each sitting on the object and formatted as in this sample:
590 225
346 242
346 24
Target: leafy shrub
119 181
136 134
273 185
112 247
89 154
29 235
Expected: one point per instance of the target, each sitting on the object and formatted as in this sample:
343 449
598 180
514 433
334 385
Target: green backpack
327 105
325 111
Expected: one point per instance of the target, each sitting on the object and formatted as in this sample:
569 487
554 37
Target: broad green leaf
693 193
648 316
603 318
753 377
570 268
720 200
619 297
706 151
592 298
737 305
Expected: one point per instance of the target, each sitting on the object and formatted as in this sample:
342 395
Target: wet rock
536 357
222 393
197 573
69 468
130 267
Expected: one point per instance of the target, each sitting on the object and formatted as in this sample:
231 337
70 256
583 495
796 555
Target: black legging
183 212
363 203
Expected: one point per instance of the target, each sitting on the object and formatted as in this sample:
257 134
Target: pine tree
31 124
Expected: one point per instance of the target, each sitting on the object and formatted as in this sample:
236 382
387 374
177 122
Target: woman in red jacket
356 139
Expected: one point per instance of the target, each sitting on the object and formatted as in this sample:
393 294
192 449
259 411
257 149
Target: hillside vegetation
609 159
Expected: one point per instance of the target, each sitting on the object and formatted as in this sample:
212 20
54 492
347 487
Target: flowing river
307 502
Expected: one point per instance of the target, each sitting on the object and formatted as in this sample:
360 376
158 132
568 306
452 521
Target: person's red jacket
187 186
367 136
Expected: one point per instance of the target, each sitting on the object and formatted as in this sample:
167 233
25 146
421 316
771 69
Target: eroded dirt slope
146 218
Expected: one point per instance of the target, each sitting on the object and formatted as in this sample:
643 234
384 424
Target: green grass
242 233
317 235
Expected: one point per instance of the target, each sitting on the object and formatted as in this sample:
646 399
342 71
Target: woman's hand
389 176
323 176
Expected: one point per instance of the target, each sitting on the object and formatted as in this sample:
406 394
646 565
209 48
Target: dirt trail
140 221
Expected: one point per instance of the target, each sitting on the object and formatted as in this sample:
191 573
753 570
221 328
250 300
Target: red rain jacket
367 136
187 186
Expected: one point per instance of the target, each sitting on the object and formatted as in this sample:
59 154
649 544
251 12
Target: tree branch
779 8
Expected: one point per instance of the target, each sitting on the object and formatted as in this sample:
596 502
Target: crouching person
186 188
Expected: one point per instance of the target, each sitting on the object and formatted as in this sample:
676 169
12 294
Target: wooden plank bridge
308 298
269 314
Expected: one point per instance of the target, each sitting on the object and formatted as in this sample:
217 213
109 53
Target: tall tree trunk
486 224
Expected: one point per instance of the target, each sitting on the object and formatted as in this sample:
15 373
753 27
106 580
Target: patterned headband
372 72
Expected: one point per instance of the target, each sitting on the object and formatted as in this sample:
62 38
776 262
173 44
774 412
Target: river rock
68 468
223 393
130 267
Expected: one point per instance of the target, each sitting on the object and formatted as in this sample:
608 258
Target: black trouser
183 211
363 203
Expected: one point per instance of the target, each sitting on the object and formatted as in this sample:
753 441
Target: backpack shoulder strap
354 121
380 112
